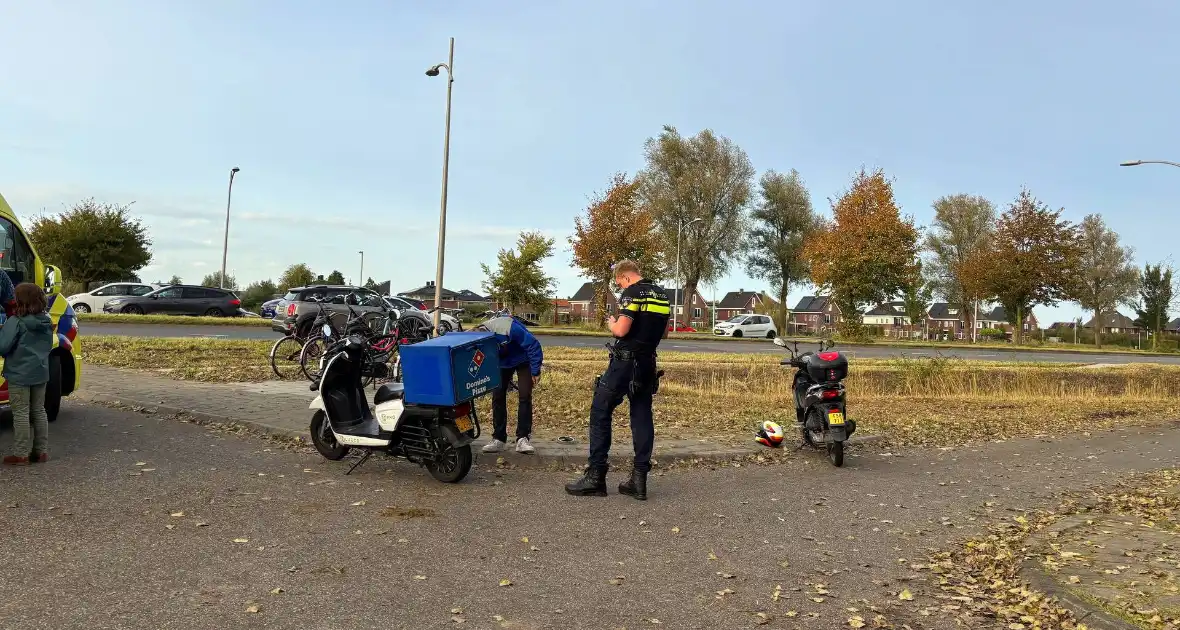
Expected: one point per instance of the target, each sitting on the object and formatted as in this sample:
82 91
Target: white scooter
438 438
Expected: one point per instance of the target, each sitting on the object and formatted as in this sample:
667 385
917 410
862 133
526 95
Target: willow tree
698 190
1107 276
779 228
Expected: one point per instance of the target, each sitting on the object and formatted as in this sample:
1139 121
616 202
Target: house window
827 318
696 313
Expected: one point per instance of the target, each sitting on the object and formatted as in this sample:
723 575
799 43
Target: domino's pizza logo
476 363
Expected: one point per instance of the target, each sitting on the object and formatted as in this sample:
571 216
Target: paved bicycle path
150 523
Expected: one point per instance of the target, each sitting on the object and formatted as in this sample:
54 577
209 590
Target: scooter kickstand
360 461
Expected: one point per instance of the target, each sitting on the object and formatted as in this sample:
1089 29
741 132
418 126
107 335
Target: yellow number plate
463 423
835 417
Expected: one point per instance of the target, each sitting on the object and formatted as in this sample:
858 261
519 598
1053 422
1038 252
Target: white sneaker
495 446
523 446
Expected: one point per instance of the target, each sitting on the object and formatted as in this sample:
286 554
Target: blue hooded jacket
517 345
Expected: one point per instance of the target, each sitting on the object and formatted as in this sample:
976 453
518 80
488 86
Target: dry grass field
722 396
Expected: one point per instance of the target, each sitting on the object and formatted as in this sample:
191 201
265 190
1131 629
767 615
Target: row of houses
698 313
812 314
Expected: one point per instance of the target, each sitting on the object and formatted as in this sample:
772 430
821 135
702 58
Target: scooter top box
452 369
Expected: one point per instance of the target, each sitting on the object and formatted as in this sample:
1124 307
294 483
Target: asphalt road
679 345
142 521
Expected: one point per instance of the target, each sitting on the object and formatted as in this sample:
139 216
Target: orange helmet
770 434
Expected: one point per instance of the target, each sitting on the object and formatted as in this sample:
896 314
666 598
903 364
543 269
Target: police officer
643 321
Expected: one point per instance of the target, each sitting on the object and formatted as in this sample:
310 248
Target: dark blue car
268 308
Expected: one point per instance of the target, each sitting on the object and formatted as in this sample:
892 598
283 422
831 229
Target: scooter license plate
463 423
836 417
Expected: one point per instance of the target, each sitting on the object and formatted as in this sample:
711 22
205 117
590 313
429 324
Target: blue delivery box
452 369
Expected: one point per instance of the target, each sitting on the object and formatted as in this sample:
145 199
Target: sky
339 134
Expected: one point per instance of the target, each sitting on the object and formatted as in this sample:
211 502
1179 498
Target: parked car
418 304
447 322
299 306
179 299
681 328
267 309
93 301
747 326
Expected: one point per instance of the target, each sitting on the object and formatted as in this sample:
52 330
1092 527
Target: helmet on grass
770 434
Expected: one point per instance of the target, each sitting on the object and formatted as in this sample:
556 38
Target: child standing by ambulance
25 341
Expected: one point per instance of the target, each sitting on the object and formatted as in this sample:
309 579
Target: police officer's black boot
636 486
592 484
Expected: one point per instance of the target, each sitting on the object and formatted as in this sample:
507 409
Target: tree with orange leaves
615 227
1034 260
866 253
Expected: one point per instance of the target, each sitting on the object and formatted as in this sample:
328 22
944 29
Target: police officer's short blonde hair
626 266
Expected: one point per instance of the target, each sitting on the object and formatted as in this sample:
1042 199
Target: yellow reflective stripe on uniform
651 305
632 307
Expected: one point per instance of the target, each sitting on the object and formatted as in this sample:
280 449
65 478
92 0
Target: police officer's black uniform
632 374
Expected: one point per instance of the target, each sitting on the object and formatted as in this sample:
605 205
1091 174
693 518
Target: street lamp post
225 245
676 290
360 280
433 71
1142 162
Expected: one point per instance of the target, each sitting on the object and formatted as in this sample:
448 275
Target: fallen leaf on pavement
358 503
525 540
253 608
906 595
419 577
241 541
856 622
726 576
276 591
1073 579
505 582
141 463
818 600
177 514
675 530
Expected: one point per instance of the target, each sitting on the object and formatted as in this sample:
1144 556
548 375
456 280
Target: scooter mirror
779 341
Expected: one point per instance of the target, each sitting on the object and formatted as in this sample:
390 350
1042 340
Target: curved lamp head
234 170
1131 163
432 71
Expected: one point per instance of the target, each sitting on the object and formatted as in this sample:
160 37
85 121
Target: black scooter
438 438
820 412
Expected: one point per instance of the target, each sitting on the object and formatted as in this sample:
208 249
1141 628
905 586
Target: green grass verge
174 320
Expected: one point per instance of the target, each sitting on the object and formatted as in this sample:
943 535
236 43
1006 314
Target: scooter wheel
836 453
324 441
452 464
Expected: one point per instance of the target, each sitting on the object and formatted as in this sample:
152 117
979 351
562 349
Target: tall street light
442 213
1141 162
225 246
676 290
361 278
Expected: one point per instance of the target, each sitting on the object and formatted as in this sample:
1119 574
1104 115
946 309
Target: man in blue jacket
520 356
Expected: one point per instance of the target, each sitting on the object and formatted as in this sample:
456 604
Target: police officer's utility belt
641 380
628 355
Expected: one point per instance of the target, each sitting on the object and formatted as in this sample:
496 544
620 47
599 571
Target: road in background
681 345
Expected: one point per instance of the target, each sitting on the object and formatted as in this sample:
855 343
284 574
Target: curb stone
1085 612
561 456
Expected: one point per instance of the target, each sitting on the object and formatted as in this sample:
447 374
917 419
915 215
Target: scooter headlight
327 330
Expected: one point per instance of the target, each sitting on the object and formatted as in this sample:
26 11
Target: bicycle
286 353
324 334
